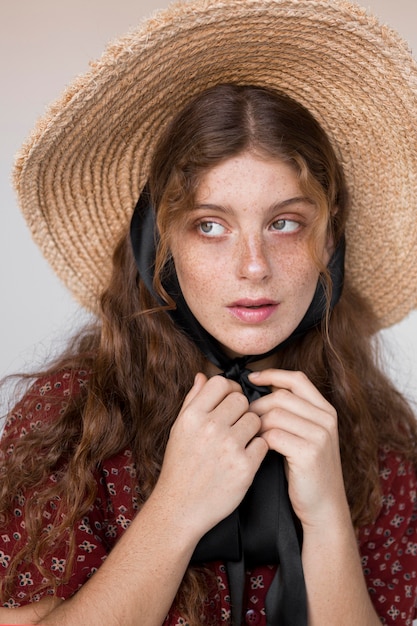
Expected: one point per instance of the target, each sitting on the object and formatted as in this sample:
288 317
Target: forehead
247 169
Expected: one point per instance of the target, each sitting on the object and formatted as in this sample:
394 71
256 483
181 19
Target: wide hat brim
80 173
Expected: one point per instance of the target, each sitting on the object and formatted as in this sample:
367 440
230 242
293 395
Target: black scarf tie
263 530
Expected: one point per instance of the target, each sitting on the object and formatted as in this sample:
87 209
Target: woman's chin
260 348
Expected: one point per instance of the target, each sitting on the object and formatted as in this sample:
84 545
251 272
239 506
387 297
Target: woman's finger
295 382
246 428
208 394
199 381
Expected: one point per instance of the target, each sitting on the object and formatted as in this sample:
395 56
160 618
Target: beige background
43 44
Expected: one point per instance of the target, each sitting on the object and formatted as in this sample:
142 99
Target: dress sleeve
95 534
389 546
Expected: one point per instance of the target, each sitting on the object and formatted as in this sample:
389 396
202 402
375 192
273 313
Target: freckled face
242 258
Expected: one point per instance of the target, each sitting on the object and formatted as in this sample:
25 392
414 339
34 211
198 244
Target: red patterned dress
388 548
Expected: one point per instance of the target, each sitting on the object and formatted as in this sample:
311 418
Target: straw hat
80 173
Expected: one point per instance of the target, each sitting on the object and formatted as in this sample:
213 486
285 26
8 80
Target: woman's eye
211 229
285 226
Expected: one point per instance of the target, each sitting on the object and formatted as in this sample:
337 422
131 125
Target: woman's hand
212 454
300 424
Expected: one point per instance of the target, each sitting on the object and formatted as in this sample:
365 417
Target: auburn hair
131 350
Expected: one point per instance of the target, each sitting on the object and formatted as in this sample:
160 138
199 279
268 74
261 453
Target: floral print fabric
388 548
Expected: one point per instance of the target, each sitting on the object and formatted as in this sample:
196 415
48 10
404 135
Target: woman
240 276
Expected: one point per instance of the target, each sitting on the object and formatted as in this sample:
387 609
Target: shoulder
398 512
389 546
45 400
398 479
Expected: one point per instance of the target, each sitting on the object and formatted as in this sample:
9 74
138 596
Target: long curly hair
131 351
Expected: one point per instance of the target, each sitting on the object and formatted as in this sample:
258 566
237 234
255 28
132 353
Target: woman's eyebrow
276 206
290 201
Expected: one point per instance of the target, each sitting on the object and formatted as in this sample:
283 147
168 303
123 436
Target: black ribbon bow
264 528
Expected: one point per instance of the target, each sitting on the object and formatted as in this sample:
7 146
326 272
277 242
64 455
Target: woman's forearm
137 583
336 588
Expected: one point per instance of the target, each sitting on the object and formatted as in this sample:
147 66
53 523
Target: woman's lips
253 311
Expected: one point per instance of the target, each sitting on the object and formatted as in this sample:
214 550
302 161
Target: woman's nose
252 259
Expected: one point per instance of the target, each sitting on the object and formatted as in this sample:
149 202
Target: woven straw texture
80 173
